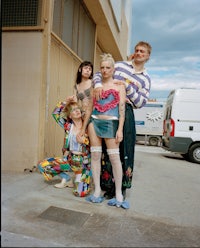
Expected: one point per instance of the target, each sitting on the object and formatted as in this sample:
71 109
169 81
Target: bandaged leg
96 152
117 172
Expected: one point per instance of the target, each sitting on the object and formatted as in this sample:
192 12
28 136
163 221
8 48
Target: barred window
72 23
17 13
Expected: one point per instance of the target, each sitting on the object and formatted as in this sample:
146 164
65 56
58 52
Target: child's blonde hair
68 107
107 57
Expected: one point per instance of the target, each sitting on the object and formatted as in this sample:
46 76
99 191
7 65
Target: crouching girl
76 155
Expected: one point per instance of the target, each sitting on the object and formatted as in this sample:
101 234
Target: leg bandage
96 152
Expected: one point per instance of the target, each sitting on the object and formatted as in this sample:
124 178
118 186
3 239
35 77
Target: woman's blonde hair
107 57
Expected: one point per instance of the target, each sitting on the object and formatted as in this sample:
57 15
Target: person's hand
80 139
119 82
65 153
119 136
97 93
71 99
131 57
80 136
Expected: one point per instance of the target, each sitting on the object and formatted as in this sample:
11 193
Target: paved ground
164 209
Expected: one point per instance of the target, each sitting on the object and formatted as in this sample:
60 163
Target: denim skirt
105 128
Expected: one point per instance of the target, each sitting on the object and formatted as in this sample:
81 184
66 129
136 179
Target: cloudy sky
172 27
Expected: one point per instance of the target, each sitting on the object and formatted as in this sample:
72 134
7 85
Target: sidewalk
35 214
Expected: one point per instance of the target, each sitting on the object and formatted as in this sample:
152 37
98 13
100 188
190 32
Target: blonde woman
106 119
137 81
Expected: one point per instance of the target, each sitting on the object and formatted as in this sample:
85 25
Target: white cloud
191 59
173 30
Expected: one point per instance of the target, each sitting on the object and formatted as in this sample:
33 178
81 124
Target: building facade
43 43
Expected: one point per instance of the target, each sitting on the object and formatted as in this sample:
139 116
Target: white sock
117 172
96 152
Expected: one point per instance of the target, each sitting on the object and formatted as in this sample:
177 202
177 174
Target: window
117 7
17 13
73 25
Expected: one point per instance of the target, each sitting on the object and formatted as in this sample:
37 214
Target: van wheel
194 153
153 141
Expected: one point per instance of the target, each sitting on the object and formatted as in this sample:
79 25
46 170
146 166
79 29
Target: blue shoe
123 204
94 199
112 202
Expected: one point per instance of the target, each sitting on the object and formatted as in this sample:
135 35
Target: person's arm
97 85
73 97
87 115
57 114
122 102
67 128
138 95
137 91
97 80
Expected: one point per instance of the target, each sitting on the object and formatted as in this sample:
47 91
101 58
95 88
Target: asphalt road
164 209
170 186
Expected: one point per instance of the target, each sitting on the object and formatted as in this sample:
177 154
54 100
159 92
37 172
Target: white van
149 122
181 125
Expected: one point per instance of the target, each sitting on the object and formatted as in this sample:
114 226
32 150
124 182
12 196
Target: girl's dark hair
79 72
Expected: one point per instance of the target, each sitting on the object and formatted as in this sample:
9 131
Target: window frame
73 41
31 28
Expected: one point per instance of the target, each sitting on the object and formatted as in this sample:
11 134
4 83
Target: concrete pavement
35 214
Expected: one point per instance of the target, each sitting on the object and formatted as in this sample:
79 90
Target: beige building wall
38 70
21 94
63 68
